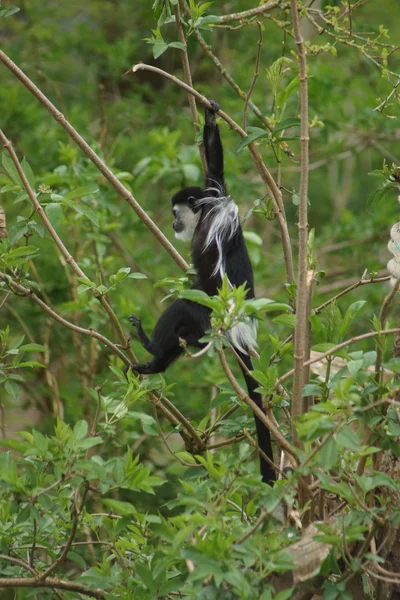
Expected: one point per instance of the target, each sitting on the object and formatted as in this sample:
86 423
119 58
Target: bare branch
96 160
247 14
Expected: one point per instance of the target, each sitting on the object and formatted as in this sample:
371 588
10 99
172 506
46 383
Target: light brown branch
253 529
23 291
51 582
302 316
247 14
264 172
59 243
224 72
348 342
96 160
256 410
351 288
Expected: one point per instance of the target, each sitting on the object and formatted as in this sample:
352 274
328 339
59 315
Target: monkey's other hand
215 107
210 112
134 320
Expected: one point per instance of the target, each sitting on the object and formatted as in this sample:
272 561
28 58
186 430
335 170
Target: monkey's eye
174 211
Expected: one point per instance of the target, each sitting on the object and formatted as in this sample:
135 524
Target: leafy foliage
118 498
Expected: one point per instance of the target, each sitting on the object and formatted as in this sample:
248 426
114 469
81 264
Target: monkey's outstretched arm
213 149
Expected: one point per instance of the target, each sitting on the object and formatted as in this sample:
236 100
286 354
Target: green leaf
379 194
201 298
32 348
8 12
159 47
81 192
311 389
288 320
12 388
77 559
255 133
83 209
328 454
80 430
265 305
28 172
354 366
11 169
178 45
287 124
350 315
124 509
54 211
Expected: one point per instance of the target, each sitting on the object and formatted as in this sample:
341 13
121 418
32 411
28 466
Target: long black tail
263 435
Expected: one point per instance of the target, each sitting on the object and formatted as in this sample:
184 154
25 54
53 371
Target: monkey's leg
143 339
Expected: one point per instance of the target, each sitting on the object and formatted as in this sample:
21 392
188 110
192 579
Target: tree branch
96 160
23 291
348 342
256 410
302 314
247 14
51 582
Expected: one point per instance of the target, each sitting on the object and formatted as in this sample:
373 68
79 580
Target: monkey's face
185 221
186 211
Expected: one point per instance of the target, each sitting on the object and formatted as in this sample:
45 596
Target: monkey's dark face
186 211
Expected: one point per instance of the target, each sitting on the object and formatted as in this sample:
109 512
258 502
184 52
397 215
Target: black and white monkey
208 218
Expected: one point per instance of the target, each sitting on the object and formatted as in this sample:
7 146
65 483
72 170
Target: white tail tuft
244 335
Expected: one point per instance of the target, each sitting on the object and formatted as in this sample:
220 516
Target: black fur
187 320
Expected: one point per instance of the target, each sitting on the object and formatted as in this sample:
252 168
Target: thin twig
349 342
168 447
228 77
76 513
249 533
262 453
23 291
59 243
188 79
351 288
255 76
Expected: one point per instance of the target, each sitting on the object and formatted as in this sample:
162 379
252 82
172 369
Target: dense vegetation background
100 491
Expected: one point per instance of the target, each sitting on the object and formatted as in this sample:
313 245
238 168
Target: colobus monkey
209 218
